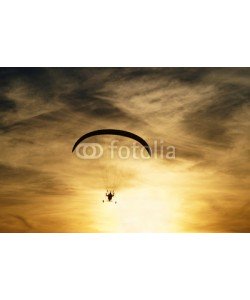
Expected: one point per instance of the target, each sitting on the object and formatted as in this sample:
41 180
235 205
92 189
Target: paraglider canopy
114 132
113 172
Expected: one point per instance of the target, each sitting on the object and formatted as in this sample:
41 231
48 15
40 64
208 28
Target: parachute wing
114 132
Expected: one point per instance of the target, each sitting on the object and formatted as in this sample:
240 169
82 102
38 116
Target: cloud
203 112
27 181
210 120
6 104
23 220
14 223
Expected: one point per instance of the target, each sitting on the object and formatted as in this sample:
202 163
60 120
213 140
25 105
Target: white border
132 33
124 266
112 33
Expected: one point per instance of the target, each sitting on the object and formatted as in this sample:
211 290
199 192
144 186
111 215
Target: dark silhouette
114 132
109 195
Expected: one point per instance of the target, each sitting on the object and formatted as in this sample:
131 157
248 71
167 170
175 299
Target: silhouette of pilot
110 195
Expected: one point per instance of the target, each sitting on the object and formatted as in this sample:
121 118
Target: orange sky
202 112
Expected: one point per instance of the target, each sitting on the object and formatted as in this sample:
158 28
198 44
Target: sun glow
137 210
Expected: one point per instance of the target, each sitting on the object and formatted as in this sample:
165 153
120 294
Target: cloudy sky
202 112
